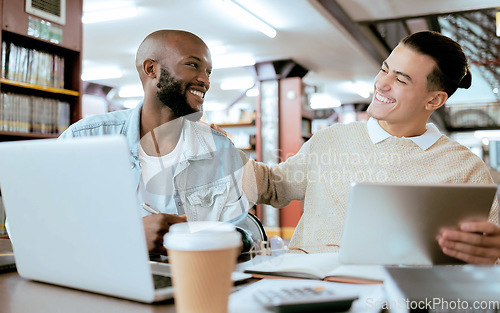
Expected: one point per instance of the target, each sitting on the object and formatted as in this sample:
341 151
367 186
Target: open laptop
392 224
73 216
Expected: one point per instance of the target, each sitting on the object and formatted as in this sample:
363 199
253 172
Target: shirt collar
425 141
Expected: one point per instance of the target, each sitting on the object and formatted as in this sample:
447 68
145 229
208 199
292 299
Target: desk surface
18 295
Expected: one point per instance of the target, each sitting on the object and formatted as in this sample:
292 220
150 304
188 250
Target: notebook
390 224
73 216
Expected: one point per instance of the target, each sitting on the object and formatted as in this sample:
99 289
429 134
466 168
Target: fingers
479 253
217 128
213 126
174 218
483 227
472 259
474 242
156 226
472 239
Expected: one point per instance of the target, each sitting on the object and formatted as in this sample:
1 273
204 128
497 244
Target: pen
150 209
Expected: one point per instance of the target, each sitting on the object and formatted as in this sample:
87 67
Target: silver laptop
393 224
74 219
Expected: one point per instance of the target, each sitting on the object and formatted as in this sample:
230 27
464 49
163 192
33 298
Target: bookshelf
243 136
40 84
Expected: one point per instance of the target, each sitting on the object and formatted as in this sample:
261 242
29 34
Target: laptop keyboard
161 281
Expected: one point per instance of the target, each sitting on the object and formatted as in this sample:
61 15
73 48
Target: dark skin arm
156 226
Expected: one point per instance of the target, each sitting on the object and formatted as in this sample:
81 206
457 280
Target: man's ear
438 100
149 68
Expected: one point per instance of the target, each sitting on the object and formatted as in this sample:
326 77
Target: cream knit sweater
322 171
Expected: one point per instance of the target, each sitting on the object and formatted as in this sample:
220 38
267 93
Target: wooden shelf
309 114
28 135
39 87
237 124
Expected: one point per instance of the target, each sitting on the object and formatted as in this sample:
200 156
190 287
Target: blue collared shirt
208 179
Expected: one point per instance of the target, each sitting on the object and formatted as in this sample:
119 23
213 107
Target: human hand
215 127
156 226
473 242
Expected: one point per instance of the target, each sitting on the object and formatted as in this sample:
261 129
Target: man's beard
171 95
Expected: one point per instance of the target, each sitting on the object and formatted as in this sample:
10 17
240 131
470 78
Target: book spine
4 59
61 73
23 64
22 113
62 116
17 65
11 61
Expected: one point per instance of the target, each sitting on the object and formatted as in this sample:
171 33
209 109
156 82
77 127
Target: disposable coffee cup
202 256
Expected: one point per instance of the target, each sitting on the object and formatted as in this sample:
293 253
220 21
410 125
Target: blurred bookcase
41 64
40 82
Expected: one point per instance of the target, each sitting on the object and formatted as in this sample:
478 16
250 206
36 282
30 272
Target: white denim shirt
208 179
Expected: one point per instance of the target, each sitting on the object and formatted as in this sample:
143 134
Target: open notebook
319 266
73 216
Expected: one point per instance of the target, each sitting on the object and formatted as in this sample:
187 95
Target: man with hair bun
396 145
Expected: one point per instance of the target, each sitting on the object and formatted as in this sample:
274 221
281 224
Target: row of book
32 66
30 114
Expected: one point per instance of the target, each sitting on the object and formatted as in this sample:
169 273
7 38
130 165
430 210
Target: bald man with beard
183 168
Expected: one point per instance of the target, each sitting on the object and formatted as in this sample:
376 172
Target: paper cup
202 257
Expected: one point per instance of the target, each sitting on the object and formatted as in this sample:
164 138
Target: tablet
394 224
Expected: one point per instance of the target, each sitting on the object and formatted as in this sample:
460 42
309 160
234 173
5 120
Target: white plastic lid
202 235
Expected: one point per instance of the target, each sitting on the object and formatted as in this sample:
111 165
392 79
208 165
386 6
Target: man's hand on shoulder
474 242
213 126
156 226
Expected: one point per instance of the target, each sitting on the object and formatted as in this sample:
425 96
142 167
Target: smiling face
171 94
400 97
185 75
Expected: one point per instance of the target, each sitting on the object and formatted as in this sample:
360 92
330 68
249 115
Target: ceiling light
248 17
227 61
237 84
360 88
109 15
323 101
254 92
98 73
487 134
215 50
134 91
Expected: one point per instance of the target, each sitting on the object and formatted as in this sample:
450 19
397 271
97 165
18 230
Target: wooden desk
18 295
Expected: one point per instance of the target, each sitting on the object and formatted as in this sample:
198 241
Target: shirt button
179 203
